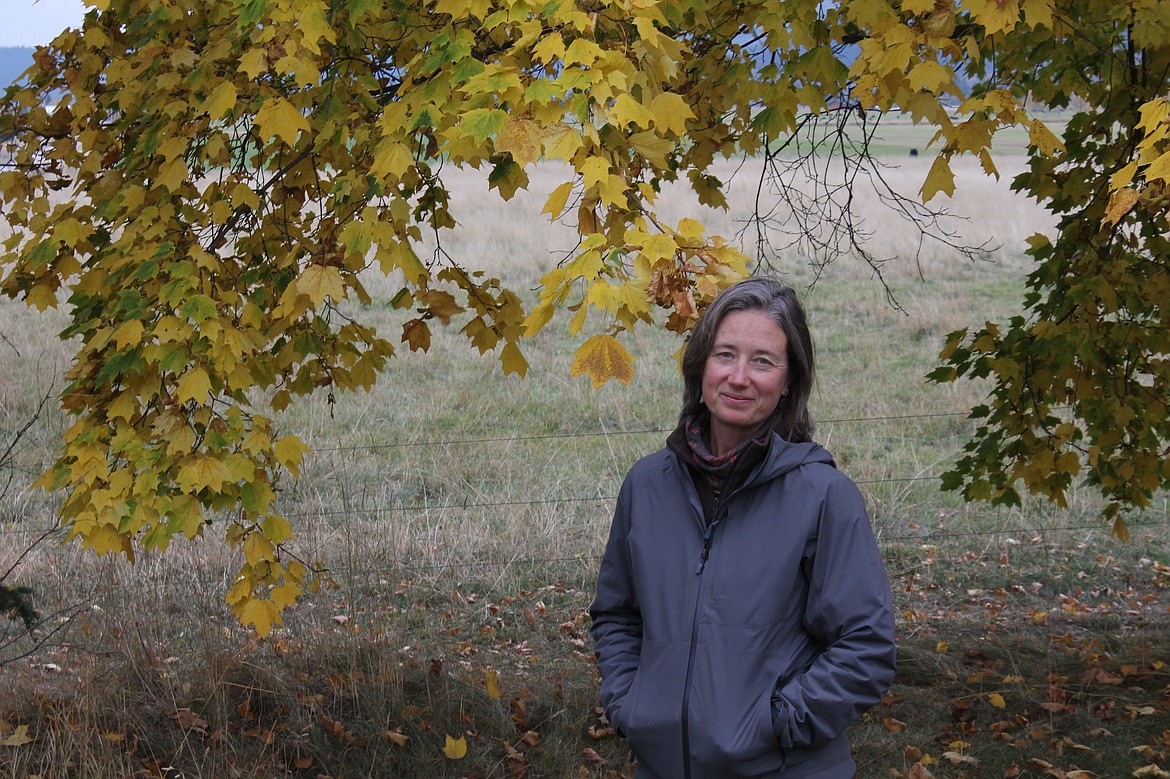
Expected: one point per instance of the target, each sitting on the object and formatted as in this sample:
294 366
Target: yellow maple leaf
125 406
42 296
652 146
392 159
931 76
671 113
1159 169
455 748
285 595
289 450
521 138
1043 139
103 539
203 472
1038 13
128 334
71 232
172 175
221 101
1121 203
594 171
260 614
995 15
627 110
319 282
257 548
540 316
996 700
513 360
315 26
940 179
557 200
394 254
690 229
602 358
279 118
561 142
195 385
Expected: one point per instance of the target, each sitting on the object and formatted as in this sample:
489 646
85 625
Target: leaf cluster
1080 384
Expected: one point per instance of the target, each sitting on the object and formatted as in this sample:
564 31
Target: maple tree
1080 383
205 184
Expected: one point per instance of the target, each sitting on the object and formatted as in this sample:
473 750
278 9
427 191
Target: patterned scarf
717 468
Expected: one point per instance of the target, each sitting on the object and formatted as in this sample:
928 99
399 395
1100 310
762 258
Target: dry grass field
460 515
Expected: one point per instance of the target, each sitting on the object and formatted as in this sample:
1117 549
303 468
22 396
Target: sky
36 22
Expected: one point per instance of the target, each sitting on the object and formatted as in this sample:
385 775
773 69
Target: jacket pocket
649 715
731 715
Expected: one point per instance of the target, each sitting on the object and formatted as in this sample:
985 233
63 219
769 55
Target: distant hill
14 60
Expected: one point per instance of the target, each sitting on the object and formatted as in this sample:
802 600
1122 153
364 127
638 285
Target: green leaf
250 11
483 123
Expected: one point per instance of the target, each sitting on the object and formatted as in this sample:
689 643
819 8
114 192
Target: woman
743 616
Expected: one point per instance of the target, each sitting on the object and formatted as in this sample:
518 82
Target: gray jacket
746 647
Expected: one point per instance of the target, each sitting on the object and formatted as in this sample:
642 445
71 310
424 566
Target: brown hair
758 293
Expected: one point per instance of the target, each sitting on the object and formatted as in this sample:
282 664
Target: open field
461 516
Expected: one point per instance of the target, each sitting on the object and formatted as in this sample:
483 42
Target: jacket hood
783 456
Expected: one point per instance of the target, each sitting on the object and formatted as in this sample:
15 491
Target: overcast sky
33 22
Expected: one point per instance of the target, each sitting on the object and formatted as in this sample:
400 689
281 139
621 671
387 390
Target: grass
461 514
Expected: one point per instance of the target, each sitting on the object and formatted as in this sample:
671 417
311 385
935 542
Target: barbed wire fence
893 532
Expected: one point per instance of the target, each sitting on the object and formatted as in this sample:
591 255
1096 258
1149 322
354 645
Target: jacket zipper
708 536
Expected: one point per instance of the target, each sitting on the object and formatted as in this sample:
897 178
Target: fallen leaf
958 758
893 725
1151 770
919 771
189 720
455 748
493 685
396 737
331 726
590 756
19 738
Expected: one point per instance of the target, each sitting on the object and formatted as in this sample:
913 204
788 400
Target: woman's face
745 376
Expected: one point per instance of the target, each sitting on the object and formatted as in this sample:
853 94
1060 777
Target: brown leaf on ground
590 756
893 725
919 771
